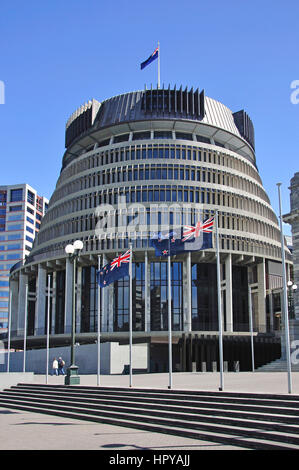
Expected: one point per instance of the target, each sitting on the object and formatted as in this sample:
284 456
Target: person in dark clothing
61 364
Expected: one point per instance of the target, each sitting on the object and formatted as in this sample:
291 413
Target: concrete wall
7 380
113 358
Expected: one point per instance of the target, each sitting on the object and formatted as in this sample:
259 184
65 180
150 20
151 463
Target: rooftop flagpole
158 65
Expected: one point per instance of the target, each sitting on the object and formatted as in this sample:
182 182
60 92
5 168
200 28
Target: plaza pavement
35 431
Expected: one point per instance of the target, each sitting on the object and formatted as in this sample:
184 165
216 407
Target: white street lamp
73 252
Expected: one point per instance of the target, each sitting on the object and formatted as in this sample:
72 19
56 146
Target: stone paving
34 431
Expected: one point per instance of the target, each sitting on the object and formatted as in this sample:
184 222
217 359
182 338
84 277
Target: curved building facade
133 163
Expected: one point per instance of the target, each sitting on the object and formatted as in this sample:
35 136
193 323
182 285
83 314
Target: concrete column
109 305
147 294
79 298
23 279
261 277
188 317
14 288
271 313
52 326
40 300
229 293
105 326
68 304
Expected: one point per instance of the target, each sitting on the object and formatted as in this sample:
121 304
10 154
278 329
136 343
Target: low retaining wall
114 358
7 379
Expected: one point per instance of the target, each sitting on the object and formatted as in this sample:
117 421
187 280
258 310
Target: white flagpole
219 305
158 65
169 321
99 325
48 330
9 333
131 312
251 326
25 328
285 299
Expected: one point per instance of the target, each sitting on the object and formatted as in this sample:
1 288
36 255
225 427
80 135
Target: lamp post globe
78 245
69 249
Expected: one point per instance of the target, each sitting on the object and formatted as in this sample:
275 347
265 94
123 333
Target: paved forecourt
35 431
254 382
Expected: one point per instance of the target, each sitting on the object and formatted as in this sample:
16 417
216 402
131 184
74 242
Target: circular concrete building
134 162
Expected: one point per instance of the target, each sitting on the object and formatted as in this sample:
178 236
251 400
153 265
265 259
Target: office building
21 212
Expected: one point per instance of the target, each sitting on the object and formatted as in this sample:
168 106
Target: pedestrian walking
55 367
61 364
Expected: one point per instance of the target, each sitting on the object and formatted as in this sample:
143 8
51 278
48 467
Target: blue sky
58 54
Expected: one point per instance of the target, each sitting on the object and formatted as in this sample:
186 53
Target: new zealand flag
117 269
188 238
152 57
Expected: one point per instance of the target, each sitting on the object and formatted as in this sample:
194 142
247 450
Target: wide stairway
246 420
280 365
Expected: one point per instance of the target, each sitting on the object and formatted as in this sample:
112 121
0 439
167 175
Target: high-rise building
134 162
21 212
293 219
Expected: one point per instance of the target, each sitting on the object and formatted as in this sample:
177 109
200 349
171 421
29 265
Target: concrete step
284 407
206 409
164 391
252 421
232 397
279 365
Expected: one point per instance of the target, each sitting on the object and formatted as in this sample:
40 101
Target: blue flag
188 238
117 269
151 58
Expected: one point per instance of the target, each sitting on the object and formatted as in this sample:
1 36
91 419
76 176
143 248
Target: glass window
13 256
205 140
15 208
16 246
29 229
121 138
184 136
159 297
141 135
15 227
30 197
14 236
16 195
163 135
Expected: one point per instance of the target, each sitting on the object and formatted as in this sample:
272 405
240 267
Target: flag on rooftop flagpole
116 269
188 238
150 59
